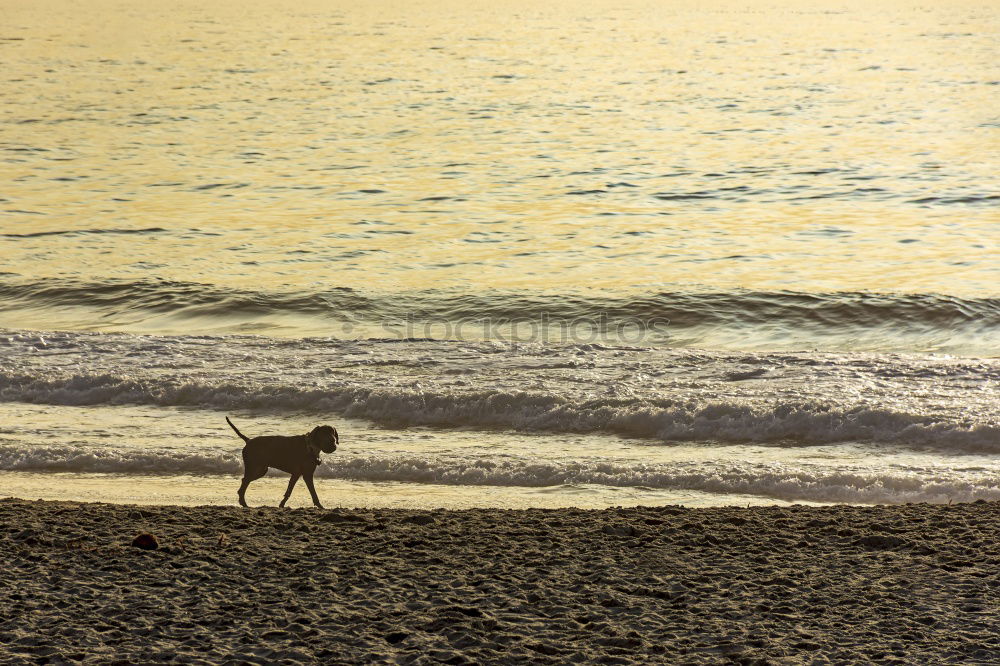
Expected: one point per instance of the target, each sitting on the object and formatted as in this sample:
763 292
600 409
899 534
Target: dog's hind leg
288 492
249 476
312 489
242 491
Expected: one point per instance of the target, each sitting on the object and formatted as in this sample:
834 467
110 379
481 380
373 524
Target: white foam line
812 483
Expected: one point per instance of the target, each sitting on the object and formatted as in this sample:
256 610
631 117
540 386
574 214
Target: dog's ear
314 436
336 436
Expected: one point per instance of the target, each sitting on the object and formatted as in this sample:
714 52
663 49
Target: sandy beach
847 584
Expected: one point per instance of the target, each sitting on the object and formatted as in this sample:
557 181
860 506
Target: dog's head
324 438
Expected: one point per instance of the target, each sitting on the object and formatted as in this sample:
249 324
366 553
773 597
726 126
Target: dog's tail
242 436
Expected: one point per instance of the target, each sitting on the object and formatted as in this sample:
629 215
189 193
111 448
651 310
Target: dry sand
913 584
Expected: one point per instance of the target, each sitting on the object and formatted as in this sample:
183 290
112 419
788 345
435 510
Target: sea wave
923 322
821 484
712 419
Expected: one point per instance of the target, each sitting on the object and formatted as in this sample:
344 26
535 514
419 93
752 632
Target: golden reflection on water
472 145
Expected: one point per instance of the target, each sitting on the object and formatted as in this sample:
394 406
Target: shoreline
901 584
192 491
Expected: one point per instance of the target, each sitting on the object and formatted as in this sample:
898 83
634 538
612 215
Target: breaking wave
733 420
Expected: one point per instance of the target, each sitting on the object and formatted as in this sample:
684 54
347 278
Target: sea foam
665 395
789 482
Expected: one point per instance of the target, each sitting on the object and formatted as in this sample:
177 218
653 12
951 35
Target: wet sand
915 584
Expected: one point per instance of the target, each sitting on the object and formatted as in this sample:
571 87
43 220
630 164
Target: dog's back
284 452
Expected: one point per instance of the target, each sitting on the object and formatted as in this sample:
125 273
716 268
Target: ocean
520 254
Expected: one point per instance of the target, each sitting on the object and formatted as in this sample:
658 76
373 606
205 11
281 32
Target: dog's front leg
288 491
312 489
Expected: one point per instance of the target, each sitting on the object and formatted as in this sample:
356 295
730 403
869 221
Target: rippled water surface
616 149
